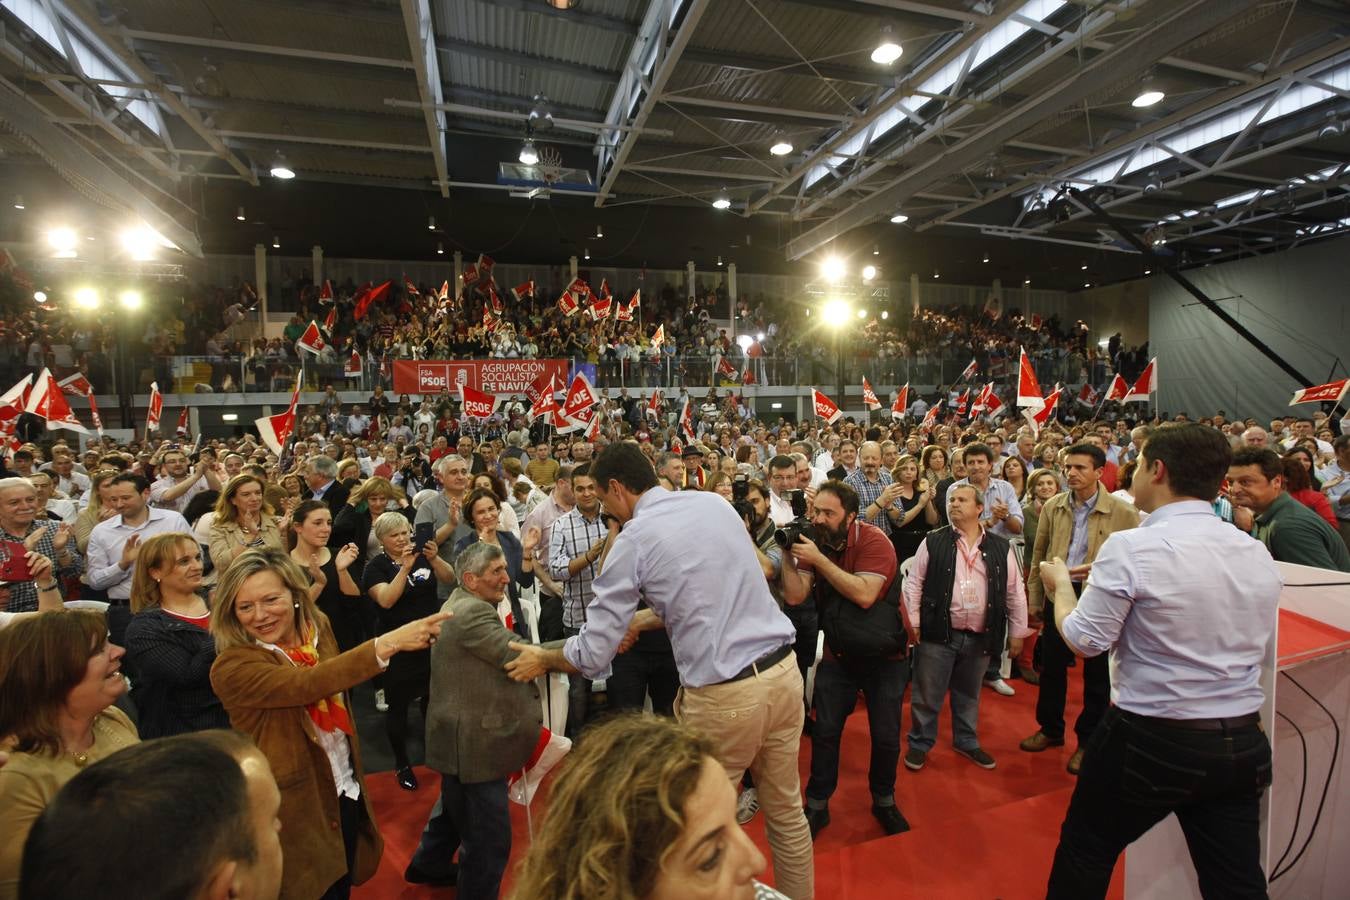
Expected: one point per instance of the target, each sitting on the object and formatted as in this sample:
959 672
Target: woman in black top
169 650
403 583
920 515
353 522
329 570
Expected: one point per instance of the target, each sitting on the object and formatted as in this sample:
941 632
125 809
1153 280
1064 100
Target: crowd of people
159 594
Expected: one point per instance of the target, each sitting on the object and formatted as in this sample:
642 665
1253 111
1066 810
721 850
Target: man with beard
177 486
878 495
853 563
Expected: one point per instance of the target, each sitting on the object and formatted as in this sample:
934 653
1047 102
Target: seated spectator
1298 482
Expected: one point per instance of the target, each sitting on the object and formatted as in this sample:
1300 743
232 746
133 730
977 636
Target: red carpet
977 835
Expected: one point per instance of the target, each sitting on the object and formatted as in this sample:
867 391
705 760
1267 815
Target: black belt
766 661
1231 723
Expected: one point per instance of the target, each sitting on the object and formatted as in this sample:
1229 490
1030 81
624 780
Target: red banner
493 376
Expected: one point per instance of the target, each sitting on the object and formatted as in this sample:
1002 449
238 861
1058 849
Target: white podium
1311 648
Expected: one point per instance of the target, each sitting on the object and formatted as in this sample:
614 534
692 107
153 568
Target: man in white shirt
57 506
68 481
175 489
782 479
357 423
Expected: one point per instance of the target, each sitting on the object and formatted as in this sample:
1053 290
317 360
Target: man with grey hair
672 466
1257 437
18 509
443 511
321 475
469 684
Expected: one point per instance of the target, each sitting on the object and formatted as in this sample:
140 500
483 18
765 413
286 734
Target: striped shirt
573 535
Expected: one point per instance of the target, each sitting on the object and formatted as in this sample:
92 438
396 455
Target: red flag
1147 383
366 296
963 403
604 288
969 371
326 292
624 313
567 303
1028 388
658 336
182 429
579 286
76 385
489 322
542 384
1088 395
600 307
581 395
593 429
543 397
869 396
929 419
276 430
1038 418
548 752
748 376
521 291
1036 322
825 408
476 404
311 340
1331 392
12 404
444 293
354 365
1118 389
93 414
48 401
724 367
990 402
469 275
496 301
330 321
485 266
654 405
156 408
410 288
687 422
901 404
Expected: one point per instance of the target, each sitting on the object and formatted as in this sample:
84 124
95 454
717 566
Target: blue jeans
476 820
959 666
882 682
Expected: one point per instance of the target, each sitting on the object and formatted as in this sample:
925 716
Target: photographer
857 601
414 473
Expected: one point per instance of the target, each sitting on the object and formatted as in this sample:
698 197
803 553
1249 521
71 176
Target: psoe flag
825 408
1331 392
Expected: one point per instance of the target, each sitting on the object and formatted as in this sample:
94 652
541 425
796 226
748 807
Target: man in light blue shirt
1186 606
689 557
114 542
1335 480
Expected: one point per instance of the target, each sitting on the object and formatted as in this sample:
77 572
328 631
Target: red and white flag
490 323
929 418
470 275
366 297
496 301
901 404
658 336
543 397
1331 392
1088 396
1028 388
1118 389
748 376
869 396
725 368
579 287
311 340
156 408
580 396
624 312
1036 322
604 288
48 401
989 401
654 405
548 752
592 428
1147 383
182 429
523 290
276 430
963 403
825 408
76 385
687 422
1038 418
444 293
353 366
600 307
485 266
330 322
476 404
969 371
326 292
12 404
409 288
567 303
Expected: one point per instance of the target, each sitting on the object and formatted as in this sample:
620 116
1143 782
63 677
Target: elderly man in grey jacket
481 727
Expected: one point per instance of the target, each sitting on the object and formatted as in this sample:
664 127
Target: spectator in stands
169 645
283 683
543 469
1298 482
321 476
130 806
1291 532
1256 437
59 678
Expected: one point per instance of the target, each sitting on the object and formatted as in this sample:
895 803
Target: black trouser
1135 772
638 673
807 623
400 695
550 619
351 812
1054 687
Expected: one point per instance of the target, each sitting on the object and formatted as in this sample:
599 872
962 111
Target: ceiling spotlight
781 146
862 313
139 242
87 298
599 232
130 299
63 241
986 258
1087 284
887 50
1154 183
1148 271
719 259
869 272
39 296
1333 128
936 274
1026 281
876 250
528 155
835 312
431 223
722 201
239 214
1149 94
280 168
885 315
440 249
18 201
1083 267
276 242
899 219
586 253
832 268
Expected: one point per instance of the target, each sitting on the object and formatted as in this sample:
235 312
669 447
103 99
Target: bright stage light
836 313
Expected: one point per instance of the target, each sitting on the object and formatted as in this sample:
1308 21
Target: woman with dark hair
59 678
169 645
283 683
1298 483
507 520
1014 471
1308 457
331 585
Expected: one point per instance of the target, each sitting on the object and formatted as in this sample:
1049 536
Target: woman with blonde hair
169 644
244 520
59 678
97 510
282 681
920 516
353 524
641 809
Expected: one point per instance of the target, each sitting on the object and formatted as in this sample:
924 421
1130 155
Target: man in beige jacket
1073 526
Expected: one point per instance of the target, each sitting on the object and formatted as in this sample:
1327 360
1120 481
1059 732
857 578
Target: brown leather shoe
1075 761
1040 741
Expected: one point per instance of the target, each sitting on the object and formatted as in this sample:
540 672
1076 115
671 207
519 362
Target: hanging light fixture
876 250
586 253
18 201
722 201
986 258
239 214
528 155
936 274
440 249
1150 93
562 4
899 219
781 146
599 232
281 168
276 242
431 223
887 50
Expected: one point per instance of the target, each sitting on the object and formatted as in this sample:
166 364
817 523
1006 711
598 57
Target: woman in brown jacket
282 681
244 520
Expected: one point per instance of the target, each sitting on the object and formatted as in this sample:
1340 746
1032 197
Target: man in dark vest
963 594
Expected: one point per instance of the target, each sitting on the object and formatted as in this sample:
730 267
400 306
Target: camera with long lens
800 526
740 497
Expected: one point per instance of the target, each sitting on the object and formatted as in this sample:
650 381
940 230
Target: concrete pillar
459 272
316 263
572 268
689 277
260 279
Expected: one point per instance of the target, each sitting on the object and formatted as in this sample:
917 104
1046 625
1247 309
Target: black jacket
170 663
336 497
352 526
935 606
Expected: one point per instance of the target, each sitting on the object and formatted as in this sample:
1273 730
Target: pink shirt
970 592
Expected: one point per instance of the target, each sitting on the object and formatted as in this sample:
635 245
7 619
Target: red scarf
329 713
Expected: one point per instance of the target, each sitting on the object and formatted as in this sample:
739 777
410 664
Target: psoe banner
494 376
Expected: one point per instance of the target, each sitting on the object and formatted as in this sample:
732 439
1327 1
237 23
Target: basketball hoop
550 165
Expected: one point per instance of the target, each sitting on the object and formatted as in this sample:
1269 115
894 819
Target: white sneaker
380 705
747 805
1002 687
